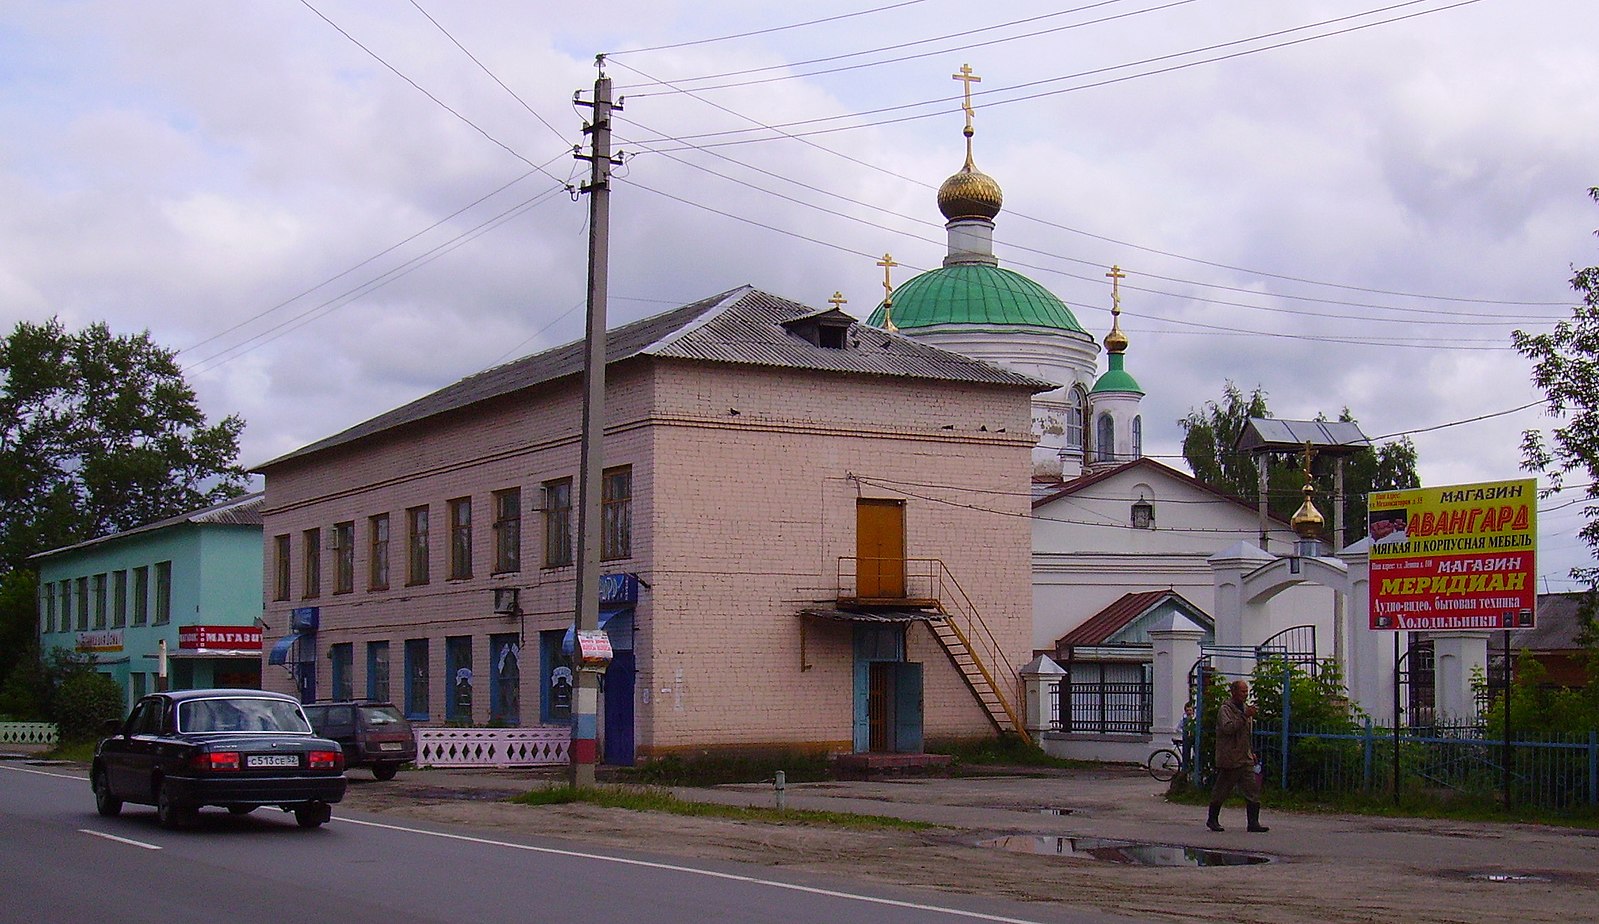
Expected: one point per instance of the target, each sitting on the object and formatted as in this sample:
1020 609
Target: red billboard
1457 557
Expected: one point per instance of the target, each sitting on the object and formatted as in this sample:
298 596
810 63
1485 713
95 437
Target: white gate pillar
1041 677
1176 649
1233 609
1369 675
1454 657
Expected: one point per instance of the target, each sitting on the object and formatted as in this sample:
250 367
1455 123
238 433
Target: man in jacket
1235 759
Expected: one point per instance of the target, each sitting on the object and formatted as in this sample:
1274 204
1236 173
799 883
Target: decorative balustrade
28 733
492 747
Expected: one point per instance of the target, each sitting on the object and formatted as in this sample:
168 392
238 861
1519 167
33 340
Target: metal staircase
959 648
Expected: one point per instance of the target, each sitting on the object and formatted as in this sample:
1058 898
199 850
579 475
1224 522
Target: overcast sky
1355 219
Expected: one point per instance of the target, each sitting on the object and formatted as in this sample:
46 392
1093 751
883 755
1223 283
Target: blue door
908 708
619 681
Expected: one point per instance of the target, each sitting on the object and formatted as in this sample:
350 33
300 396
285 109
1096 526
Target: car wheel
241 809
312 814
169 811
384 771
105 803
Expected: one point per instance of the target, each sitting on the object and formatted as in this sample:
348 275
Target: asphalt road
61 861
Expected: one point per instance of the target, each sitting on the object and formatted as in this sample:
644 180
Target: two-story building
816 534
188 587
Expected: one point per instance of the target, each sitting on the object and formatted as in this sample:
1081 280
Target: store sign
233 638
99 641
1457 557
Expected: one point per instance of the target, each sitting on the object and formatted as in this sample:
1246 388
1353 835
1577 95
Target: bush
84 702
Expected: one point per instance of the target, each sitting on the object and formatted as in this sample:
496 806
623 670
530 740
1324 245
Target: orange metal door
880 548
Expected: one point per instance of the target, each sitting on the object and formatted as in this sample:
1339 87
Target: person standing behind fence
1235 758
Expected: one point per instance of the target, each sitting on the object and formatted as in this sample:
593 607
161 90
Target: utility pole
583 753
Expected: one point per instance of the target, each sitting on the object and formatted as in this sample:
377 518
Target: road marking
712 874
59 776
121 840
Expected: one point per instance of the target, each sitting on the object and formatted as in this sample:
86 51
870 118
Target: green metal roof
976 293
1116 378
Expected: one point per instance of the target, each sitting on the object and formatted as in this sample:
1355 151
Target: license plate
271 760
390 746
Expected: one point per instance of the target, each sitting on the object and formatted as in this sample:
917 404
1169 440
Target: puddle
1126 852
49 763
1508 877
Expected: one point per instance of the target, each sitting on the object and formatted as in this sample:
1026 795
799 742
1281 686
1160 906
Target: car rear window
379 716
240 715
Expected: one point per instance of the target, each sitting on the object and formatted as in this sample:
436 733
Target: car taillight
327 760
216 760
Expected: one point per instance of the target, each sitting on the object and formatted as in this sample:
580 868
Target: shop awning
607 613
280 648
889 616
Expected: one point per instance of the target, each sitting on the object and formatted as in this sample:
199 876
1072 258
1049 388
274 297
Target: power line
767 31
420 89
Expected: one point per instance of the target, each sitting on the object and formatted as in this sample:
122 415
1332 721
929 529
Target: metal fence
1553 772
1104 707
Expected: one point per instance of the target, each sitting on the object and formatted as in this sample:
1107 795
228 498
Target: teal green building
175 602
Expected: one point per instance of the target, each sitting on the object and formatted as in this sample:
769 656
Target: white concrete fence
492 747
29 733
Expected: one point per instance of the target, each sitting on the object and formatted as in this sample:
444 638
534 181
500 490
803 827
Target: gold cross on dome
1309 454
967 78
838 300
887 263
1115 276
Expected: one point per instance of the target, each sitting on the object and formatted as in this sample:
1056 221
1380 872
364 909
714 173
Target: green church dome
976 293
1116 378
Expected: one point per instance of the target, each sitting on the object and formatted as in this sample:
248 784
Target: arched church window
1138 437
1105 438
1076 403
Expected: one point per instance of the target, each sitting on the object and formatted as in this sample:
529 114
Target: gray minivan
372 734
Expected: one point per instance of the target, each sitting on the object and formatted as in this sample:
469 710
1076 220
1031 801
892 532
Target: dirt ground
1336 868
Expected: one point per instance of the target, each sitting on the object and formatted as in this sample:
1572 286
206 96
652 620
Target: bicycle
1165 763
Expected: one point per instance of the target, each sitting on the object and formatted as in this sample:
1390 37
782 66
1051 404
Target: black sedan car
239 749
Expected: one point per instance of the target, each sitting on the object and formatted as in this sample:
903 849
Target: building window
616 514
64 598
555 679
460 538
458 670
1105 439
83 604
416 524
507 531
377 671
100 601
377 565
558 523
311 584
416 679
280 567
47 608
505 680
1138 437
141 596
1143 515
119 599
342 658
163 592
344 557
1074 418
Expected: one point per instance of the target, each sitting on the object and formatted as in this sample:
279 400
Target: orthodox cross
838 300
887 263
967 78
1308 454
1115 276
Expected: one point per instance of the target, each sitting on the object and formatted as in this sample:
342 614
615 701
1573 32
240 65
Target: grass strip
659 800
1410 805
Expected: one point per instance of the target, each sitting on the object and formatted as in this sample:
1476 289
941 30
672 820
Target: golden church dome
970 193
1307 521
1116 341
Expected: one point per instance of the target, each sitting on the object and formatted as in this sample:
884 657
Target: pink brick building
817 535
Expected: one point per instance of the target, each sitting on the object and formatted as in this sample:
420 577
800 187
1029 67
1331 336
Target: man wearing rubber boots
1235 759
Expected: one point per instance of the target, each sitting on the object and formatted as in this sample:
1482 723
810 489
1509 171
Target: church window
1074 418
1105 439
1138 437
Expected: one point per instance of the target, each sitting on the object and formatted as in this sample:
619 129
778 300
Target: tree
98 433
1210 432
1566 367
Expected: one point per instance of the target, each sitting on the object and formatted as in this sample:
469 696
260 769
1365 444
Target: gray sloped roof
742 326
244 510
1331 437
